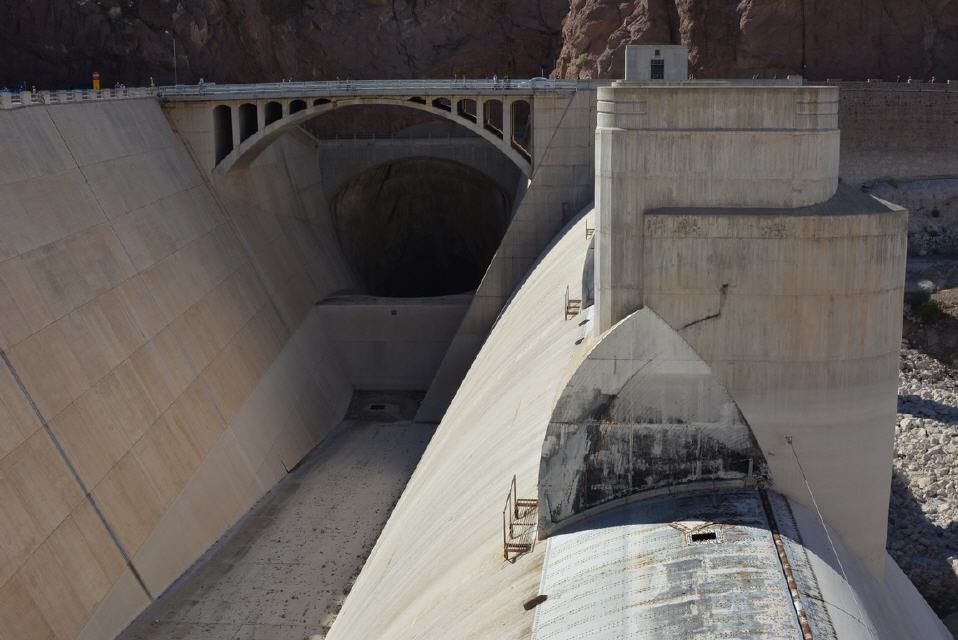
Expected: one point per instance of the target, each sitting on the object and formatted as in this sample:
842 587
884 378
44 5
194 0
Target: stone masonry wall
898 130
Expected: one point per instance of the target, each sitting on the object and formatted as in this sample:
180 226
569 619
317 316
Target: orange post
96 81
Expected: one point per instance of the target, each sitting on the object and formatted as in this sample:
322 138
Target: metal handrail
346 86
11 99
512 517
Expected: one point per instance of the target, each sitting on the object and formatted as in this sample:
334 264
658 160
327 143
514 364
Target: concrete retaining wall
167 345
391 344
898 130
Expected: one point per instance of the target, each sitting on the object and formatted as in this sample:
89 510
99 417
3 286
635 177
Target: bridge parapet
17 99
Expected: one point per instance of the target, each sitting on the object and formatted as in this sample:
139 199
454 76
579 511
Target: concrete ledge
847 201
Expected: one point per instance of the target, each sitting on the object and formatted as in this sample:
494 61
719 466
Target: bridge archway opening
320 101
442 103
296 106
248 121
223 131
274 112
466 108
521 126
492 117
420 227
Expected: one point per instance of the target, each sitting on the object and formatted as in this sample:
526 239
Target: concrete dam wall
162 364
165 361
177 336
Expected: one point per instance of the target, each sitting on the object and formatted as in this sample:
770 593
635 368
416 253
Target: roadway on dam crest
283 571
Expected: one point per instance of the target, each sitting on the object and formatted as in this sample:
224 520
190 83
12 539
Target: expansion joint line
73 471
232 225
828 535
786 568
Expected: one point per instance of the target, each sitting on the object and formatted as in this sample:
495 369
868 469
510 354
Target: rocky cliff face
59 43
851 39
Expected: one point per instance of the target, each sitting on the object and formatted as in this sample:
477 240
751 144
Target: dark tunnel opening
420 227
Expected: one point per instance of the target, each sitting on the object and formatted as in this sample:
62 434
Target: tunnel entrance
420 227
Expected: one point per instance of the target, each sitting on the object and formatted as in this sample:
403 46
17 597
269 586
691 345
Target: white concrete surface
674 59
701 144
865 606
799 316
438 571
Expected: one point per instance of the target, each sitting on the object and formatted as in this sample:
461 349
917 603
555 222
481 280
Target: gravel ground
923 519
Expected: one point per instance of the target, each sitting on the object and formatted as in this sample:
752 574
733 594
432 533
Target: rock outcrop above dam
742 38
60 42
57 43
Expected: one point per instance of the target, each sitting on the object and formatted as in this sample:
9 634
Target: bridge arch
278 121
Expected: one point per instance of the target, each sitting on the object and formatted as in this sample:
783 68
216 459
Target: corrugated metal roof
635 572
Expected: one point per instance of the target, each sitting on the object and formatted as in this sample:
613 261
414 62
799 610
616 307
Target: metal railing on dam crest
210 90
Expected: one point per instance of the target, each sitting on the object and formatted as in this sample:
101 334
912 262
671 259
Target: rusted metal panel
635 572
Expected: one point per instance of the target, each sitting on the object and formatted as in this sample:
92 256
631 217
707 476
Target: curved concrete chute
642 414
243 154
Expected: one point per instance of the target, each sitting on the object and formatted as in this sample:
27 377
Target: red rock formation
59 43
850 39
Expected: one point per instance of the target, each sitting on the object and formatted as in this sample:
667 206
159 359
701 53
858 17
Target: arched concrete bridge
246 119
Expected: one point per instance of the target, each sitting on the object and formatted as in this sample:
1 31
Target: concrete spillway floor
284 570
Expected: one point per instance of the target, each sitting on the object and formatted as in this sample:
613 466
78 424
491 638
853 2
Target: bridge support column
480 113
235 122
507 121
260 115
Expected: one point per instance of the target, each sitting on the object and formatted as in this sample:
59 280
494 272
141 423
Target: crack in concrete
723 294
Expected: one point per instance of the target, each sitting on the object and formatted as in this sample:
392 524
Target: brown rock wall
740 38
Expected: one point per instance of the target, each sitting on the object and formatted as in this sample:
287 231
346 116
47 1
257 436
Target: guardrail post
6 100
26 98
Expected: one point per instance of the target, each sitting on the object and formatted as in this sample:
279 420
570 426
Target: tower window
658 69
